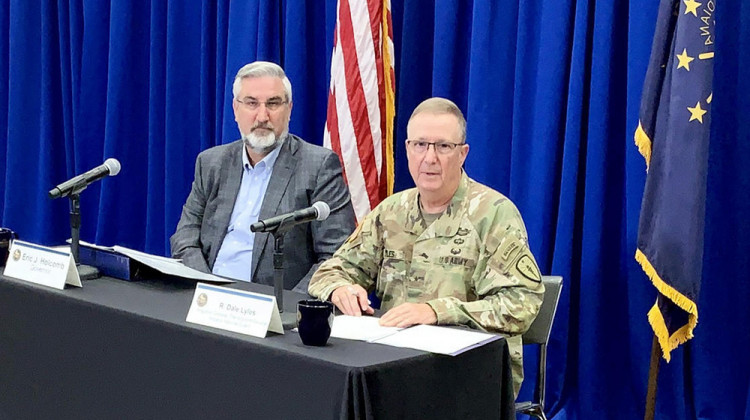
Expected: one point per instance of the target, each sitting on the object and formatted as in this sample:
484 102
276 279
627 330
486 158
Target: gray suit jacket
303 174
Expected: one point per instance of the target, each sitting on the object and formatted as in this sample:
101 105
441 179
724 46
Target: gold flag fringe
655 318
644 144
390 97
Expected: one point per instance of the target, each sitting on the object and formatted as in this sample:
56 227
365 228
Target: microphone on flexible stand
278 226
79 183
72 188
318 211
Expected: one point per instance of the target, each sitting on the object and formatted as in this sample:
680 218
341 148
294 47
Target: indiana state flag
673 137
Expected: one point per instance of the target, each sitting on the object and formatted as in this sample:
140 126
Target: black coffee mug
314 321
6 236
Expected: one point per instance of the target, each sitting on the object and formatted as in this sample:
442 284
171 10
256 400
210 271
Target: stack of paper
435 339
364 328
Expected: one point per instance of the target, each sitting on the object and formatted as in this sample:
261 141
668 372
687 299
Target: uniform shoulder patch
528 268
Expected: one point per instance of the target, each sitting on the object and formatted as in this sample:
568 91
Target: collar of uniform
448 222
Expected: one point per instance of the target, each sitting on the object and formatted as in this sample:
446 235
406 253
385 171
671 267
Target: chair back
540 329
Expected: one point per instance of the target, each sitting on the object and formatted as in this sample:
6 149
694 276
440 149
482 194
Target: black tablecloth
116 349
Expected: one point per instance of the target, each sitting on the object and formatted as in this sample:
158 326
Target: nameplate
41 265
235 310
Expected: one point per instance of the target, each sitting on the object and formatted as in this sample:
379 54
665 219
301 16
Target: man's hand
408 314
352 300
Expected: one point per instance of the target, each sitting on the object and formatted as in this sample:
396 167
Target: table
116 349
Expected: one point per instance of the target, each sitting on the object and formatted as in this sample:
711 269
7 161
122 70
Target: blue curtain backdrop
550 89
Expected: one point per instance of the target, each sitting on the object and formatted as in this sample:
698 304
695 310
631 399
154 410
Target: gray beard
264 145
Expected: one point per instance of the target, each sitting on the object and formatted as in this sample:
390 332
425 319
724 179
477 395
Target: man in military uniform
450 251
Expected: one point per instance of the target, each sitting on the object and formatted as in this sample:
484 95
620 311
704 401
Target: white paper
436 339
169 266
132 253
90 245
364 328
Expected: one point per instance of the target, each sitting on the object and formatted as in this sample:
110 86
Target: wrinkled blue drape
550 89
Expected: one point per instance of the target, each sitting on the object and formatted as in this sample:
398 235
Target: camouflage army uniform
472 265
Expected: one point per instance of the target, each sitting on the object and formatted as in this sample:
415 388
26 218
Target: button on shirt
235 257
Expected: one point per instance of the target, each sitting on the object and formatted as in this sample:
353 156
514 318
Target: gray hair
262 69
438 105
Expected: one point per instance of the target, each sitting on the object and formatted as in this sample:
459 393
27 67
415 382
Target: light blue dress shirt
235 257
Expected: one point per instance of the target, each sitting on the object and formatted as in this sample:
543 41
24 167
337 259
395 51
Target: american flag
359 123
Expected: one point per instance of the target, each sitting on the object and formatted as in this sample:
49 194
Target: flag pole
653 379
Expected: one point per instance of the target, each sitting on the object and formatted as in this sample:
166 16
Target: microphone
318 211
78 183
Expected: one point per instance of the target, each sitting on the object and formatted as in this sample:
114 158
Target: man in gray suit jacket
267 173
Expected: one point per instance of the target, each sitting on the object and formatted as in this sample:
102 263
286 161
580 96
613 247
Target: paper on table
90 245
364 328
169 266
127 251
132 253
436 339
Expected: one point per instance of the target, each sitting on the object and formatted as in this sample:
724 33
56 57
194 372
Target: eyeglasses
441 147
253 104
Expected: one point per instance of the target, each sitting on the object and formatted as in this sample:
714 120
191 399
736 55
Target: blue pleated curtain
550 89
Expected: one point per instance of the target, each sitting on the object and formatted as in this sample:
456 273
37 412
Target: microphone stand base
288 320
87 272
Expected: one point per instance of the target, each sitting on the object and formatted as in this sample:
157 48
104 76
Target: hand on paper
408 314
352 300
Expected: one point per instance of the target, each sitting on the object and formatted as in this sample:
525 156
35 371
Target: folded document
116 262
